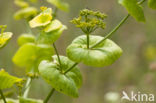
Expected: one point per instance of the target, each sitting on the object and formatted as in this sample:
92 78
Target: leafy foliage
36 54
54 74
4 36
7 80
52 36
21 3
152 4
25 13
102 55
54 25
26 38
134 9
60 4
29 55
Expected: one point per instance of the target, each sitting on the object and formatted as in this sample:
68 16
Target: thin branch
116 28
56 51
113 31
142 1
87 41
27 87
55 13
49 95
3 97
71 68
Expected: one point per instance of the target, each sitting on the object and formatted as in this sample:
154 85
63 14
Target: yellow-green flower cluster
89 20
45 21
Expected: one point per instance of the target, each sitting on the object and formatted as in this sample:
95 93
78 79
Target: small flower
89 20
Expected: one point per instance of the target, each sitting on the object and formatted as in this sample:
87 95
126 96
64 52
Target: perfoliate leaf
29 55
29 100
54 25
25 13
9 100
152 4
4 38
54 75
21 3
6 80
60 4
51 37
42 19
134 9
102 55
26 38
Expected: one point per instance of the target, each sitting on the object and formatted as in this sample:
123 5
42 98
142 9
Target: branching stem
111 32
107 36
116 28
71 68
59 60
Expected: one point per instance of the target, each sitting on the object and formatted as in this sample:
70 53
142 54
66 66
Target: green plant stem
49 95
71 68
55 13
87 41
27 87
56 51
116 28
107 36
112 32
57 55
142 1
28 27
3 96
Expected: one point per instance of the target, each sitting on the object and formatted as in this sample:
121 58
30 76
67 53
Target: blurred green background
134 71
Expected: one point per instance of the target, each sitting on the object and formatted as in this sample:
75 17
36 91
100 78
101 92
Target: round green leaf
50 37
42 19
25 13
134 9
4 38
152 4
102 55
54 75
6 80
54 25
60 4
29 55
26 38
29 100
